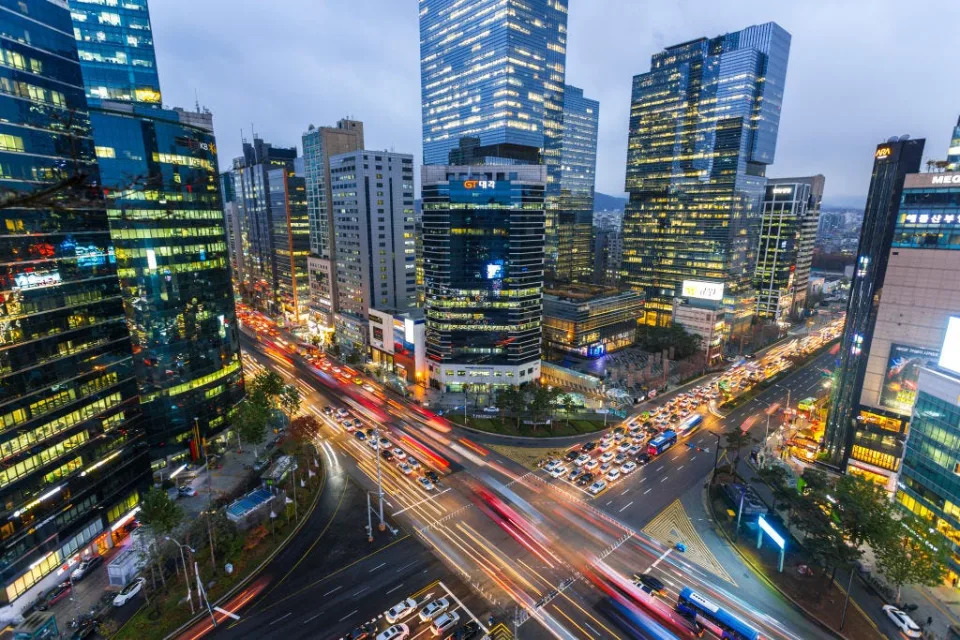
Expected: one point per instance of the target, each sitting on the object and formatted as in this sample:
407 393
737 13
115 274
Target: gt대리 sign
479 184
703 290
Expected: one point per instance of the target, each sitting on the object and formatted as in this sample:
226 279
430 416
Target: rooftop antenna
196 97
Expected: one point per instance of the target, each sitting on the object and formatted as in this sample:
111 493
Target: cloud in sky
860 71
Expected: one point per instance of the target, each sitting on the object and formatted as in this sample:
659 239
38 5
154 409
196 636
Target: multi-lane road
509 542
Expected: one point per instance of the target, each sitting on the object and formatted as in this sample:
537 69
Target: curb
243 583
746 560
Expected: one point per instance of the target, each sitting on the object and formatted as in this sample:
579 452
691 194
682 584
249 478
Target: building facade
893 160
483 274
702 320
953 153
174 269
398 344
928 484
115 46
373 227
319 145
570 224
589 321
290 239
788 230
233 224
75 460
703 128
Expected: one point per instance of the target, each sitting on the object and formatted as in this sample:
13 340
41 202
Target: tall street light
186 574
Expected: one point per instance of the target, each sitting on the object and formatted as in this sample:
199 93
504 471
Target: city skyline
878 49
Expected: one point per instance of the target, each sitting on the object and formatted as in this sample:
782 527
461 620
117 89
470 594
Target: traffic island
814 594
509 427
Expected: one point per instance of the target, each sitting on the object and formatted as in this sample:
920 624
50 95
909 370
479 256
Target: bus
807 404
690 601
661 443
689 425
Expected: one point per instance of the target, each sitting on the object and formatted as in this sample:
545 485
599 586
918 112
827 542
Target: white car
401 610
434 609
607 437
558 471
902 621
624 447
128 592
582 459
413 462
607 456
396 632
399 453
342 413
551 465
425 483
597 487
405 469
628 467
445 622
591 465
613 474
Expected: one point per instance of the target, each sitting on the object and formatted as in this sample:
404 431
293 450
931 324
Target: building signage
883 152
922 180
945 178
927 218
703 290
899 391
780 191
36 279
950 350
479 184
770 531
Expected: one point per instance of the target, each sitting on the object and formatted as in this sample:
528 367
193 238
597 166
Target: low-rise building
398 343
589 320
701 320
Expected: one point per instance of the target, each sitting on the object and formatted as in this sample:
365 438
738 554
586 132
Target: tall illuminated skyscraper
74 458
953 153
115 45
570 224
703 128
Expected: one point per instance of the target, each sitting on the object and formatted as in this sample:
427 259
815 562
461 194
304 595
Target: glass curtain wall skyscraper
703 128
290 239
74 456
568 248
115 45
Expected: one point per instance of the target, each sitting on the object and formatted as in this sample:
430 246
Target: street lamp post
716 455
186 572
378 454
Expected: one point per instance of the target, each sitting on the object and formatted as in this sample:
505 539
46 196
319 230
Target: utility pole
206 463
716 455
203 594
377 453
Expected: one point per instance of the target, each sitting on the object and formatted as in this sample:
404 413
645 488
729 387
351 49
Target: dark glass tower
290 239
703 128
159 170
892 161
74 456
115 45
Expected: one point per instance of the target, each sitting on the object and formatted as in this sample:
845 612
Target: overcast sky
860 71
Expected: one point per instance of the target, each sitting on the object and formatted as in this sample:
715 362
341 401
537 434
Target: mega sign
945 178
479 184
703 290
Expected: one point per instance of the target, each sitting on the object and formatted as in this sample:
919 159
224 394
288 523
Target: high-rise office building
233 224
483 274
74 456
703 128
259 214
319 145
115 45
893 160
570 223
953 153
373 227
168 231
788 229
290 239
494 70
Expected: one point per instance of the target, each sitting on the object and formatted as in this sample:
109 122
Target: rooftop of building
582 292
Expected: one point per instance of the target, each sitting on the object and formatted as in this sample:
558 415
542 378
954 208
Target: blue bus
661 443
733 628
689 425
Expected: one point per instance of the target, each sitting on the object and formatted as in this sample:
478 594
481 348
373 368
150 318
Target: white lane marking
313 617
609 502
395 588
347 616
287 616
331 591
647 491
663 479
680 467
591 628
410 564
382 564
625 506
625 492
427 499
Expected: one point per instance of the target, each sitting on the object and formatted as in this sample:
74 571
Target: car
328 410
341 412
607 437
86 567
362 632
491 410
129 592
86 629
605 467
368 387
433 476
572 455
628 467
373 443
635 449
384 443
588 446
650 584
574 474
550 465
581 459
597 487
902 621
613 475
425 483
386 455
399 453
617 430
624 447
359 435
467 631
621 458
606 446
607 456
405 469
434 609
401 610
618 437
396 632
585 479
558 471
591 465
447 621
348 425
413 462
54 595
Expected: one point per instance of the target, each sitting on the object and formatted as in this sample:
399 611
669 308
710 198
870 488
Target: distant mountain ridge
606 202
